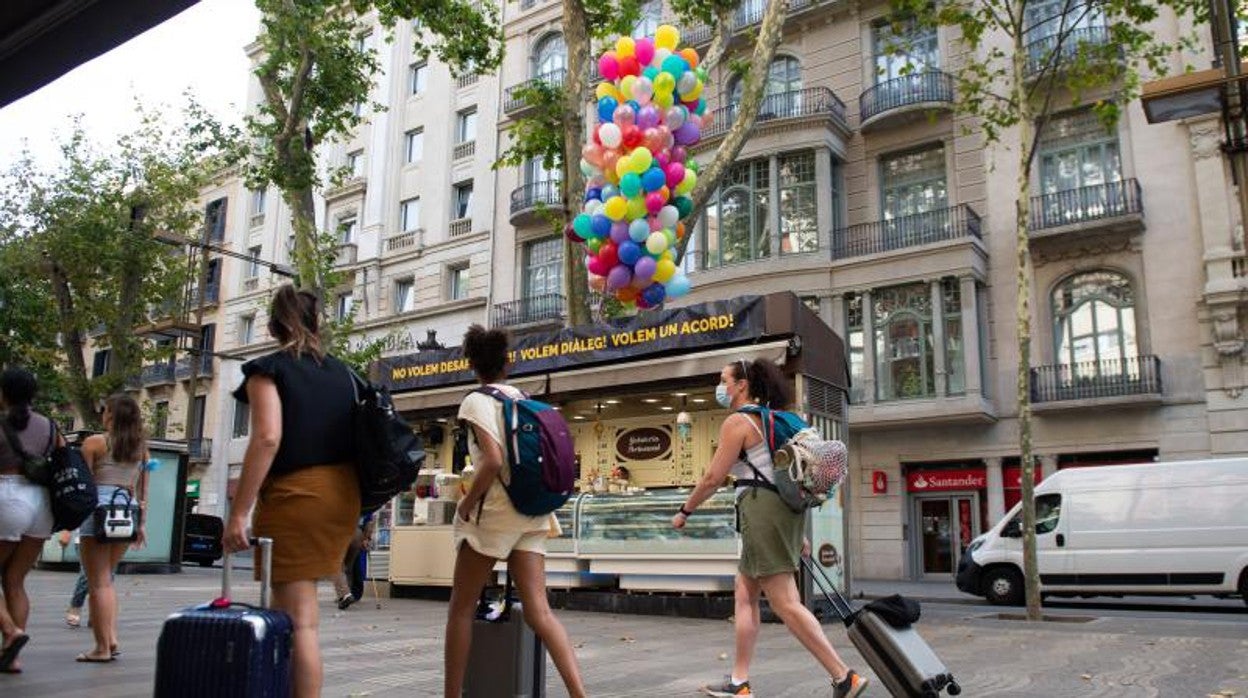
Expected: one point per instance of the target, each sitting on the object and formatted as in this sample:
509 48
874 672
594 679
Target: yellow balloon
626 88
693 94
667 37
664 99
624 165
636 208
668 254
606 89
688 183
642 159
664 83
664 270
625 46
616 207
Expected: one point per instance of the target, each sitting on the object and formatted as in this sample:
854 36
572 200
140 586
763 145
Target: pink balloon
675 174
653 139
654 202
644 50
655 224
680 154
595 265
619 232
663 158
592 152
609 66
623 116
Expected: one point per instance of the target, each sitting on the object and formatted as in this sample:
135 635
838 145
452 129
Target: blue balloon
634 104
653 179
651 73
606 109
629 253
601 225
639 230
677 286
654 293
593 193
675 65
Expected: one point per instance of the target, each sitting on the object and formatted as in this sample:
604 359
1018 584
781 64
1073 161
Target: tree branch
297 91
721 36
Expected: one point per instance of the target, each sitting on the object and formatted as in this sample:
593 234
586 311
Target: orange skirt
311 515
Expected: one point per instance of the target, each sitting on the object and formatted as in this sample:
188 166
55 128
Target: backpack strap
510 423
759 480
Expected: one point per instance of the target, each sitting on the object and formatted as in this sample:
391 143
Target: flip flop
10 670
9 655
84 657
115 651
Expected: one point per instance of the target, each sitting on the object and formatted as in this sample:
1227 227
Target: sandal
73 617
11 650
85 657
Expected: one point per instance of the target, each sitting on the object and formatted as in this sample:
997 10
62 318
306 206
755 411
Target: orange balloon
680 230
690 55
665 193
628 294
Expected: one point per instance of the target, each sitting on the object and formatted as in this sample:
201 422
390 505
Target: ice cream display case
630 535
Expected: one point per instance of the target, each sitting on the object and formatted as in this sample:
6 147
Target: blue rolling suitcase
226 649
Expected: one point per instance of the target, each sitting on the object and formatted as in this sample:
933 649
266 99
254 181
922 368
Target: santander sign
946 480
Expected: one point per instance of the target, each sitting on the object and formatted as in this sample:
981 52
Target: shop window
857 350
799 225
904 341
1094 324
738 223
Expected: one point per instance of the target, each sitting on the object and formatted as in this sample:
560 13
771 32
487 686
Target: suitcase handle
835 599
266 573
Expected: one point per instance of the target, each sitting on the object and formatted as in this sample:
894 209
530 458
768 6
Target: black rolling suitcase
507 660
226 649
901 658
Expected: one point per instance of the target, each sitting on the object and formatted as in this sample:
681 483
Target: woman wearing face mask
771 533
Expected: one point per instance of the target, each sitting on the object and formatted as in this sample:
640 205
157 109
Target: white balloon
610 135
593 206
660 55
669 216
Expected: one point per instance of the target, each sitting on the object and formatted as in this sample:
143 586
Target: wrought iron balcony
528 200
211 295
929 89
1045 53
203 370
158 374
1093 380
525 311
1085 205
812 102
940 225
199 450
513 103
748 15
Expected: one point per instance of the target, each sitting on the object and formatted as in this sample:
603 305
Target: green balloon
684 206
583 226
594 244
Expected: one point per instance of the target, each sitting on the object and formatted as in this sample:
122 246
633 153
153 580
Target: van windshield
1048 513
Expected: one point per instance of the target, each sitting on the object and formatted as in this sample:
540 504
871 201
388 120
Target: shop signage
828 557
702 326
879 482
644 443
946 480
192 488
1012 478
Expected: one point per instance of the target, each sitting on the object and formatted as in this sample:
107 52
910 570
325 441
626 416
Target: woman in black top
299 470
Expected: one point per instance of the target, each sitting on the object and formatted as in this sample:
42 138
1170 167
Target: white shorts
25 509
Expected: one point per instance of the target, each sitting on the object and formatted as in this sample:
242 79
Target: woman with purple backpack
488 527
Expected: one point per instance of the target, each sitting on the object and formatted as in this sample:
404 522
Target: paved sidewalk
397 651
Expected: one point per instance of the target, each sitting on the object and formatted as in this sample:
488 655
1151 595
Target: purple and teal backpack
540 452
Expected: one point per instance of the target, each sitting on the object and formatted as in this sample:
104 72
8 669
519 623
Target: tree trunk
576 38
72 343
127 356
1031 571
303 223
755 86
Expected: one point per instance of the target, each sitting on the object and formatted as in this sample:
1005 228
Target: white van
1177 528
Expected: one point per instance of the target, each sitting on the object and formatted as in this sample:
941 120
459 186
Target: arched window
904 342
784 82
1094 322
550 55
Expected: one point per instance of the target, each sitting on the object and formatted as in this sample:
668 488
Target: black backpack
388 453
65 473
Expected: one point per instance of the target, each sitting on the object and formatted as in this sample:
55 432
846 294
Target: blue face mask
721 396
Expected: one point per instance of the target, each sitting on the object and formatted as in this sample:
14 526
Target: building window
242 419
1094 323
1047 19
258 202
246 329
783 93
536 171
253 262
100 362
344 306
651 18
913 197
404 295
419 75
463 200
409 215
160 419
550 55
738 222
355 164
857 349
457 286
214 219
799 222
955 353
904 342
543 267
347 228
904 48
414 147
466 126
1079 155
363 41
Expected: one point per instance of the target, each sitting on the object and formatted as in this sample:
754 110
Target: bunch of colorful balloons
638 168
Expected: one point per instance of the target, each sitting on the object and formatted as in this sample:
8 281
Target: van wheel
1243 586
1003 586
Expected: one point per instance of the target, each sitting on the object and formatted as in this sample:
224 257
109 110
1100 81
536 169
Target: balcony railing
548 306
412 239
158 374
251 284
347 254
466 80
464 150
1090 380
460 227
795 104
932 86
199 449
203 370
749 14
211 295
1045 53
513 102
534 195
1086 204
951 223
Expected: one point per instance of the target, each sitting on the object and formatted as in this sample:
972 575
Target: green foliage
538 135
609 18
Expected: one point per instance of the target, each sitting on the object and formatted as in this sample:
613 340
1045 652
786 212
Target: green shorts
771 534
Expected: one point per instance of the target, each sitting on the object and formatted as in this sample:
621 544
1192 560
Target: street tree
80 257
555 128
316 77
1017 63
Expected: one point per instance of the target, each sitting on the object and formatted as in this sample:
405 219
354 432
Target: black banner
702 326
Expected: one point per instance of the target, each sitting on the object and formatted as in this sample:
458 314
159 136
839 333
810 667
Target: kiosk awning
664 368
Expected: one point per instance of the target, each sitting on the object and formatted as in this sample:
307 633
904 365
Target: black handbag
73 490
118 521
388 453
37 469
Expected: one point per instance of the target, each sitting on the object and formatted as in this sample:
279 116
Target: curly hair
18 387
486 351
767 382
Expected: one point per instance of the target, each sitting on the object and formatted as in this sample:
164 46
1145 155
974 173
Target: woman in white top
117 459
488 528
